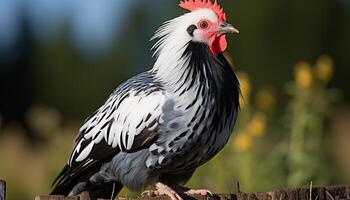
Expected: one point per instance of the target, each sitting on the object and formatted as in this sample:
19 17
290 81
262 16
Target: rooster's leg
161 189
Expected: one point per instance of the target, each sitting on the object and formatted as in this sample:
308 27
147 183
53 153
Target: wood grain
340 192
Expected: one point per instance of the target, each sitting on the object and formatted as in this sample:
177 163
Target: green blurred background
60 59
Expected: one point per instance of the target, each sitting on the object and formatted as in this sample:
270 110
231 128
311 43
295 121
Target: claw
202 192
147 193
162 189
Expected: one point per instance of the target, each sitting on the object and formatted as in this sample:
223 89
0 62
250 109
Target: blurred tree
16 79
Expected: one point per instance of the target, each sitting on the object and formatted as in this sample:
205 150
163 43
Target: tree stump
341 192
2 190
82 196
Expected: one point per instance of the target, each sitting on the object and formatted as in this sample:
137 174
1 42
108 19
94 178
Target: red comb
192 5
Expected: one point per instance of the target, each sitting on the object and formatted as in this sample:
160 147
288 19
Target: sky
90 23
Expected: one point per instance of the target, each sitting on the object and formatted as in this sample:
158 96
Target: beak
227 28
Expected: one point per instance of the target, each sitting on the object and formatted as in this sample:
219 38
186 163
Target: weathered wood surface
82 196
2 190
341 192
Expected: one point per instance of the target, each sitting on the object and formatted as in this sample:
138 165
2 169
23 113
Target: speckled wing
126 122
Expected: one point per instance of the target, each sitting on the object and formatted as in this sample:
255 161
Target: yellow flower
243 78
242 142
265 99
324 68
303 75
257 125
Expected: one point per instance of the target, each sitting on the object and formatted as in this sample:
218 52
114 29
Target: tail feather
60 175
70 177
80 173
63 183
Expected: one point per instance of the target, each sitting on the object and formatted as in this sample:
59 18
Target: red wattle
218 44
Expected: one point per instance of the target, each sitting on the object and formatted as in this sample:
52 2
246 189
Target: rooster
156 128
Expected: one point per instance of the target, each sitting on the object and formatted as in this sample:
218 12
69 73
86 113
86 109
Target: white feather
85 153
172 42
169 67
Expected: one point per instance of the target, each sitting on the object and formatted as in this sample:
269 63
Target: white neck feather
173 40
169 49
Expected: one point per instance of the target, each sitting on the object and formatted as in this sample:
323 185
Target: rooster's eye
203 24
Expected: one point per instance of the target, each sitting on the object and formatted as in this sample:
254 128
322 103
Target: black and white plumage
160 125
